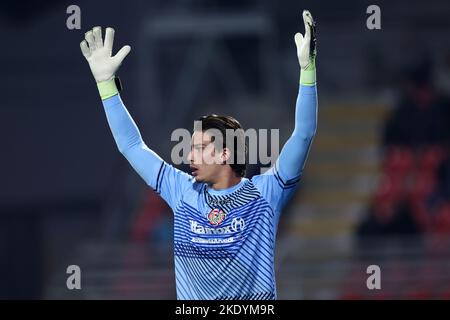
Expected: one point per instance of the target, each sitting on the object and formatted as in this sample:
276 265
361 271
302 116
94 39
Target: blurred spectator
440 200
388 216
152 222
420 117
443 192
414 193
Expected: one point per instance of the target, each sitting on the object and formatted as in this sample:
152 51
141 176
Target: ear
226 155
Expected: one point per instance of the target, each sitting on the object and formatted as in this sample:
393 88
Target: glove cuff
108 88
308 76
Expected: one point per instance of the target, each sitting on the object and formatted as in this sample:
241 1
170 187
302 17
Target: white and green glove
99 56
306 50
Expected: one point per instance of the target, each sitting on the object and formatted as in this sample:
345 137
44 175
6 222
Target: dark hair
222 123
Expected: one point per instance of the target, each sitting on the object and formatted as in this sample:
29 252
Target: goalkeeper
224 224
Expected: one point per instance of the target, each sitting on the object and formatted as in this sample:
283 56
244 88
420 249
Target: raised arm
293 156
166 180
129 141
125 132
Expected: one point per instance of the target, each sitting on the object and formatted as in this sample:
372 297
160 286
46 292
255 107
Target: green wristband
107 89
308 76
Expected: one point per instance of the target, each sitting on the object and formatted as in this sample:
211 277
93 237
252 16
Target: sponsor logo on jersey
237 224
213 240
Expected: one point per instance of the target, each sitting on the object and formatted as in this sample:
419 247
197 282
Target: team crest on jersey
216 216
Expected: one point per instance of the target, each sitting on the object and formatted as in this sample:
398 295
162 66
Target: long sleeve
293 156
129 141
279 183
166 180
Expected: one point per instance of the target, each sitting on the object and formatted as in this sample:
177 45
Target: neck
225 182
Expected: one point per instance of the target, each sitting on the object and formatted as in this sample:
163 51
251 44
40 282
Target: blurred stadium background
376 188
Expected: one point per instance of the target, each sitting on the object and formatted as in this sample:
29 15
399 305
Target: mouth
194 170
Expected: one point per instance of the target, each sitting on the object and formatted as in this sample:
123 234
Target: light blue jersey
224 240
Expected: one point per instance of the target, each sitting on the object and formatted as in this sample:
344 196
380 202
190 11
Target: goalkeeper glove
306 50
99 56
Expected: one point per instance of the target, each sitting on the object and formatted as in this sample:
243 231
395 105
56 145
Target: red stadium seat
422 186
419 294
398 161
430 158
444 294
442 220
351 296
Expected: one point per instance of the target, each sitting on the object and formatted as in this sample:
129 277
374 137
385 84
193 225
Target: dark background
375 188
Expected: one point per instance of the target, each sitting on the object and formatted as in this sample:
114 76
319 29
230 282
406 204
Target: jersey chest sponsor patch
216 231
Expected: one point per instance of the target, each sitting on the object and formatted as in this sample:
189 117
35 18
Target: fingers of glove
122 54
89 36
97 31
298 38
85 49
109 38
307 19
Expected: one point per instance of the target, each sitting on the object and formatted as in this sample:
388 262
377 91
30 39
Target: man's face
206 161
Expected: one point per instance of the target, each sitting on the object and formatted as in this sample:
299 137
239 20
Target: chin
198 179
